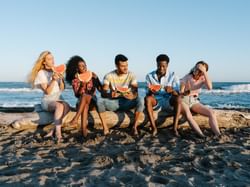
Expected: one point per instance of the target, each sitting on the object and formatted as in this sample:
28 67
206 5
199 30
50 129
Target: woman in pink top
192 83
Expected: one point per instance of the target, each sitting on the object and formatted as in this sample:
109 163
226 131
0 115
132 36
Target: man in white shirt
165 97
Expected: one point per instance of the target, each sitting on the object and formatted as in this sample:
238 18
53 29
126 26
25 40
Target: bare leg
61 110
150 103
83 102
175 101
203 110
136 122
85 118
186 111
104 123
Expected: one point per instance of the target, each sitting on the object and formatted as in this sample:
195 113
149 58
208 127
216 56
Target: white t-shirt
44 77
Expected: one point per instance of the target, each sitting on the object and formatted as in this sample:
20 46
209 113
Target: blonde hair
39 64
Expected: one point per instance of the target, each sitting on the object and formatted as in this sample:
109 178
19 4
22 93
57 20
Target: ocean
225 95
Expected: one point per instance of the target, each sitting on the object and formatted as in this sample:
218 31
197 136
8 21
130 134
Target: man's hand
168 89
129 95
115 94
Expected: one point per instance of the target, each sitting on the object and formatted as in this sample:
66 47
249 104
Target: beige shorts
190 100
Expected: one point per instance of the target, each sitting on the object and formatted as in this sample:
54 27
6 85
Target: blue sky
216 31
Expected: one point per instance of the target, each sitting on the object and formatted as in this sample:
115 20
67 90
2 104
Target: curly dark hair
72 67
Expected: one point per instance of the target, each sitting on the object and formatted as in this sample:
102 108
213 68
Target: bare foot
176 133
155 131
50 134
85 132
106 131
135 131
59 140
73 123
202 135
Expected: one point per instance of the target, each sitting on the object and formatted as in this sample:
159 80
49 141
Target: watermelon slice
122 90
60 69
85 77
154 87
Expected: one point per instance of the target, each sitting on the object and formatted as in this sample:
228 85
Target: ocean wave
19 90
230 106
238 87
232 89
11 105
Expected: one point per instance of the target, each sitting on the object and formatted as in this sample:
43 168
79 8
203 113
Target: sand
121 159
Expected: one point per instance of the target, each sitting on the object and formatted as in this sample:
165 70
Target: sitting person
84 84
120 91
192 83
51 83
163 87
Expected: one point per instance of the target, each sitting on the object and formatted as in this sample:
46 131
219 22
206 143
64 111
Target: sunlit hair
39 64
72 67
200 62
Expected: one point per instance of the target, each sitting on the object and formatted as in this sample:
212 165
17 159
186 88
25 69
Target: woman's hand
202 68
55 76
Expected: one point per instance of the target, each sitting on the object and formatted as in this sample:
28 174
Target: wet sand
120 159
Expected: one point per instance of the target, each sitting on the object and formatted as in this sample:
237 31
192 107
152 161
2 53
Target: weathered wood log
226 118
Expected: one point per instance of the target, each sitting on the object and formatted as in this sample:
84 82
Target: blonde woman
51 83
192 84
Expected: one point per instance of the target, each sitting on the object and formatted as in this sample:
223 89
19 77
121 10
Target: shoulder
94 75
186 77
172 74
130 73
151 74
110 74
42 72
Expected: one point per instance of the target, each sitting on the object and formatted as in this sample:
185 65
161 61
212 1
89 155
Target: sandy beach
121 159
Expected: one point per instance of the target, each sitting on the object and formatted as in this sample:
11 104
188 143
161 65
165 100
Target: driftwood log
26 120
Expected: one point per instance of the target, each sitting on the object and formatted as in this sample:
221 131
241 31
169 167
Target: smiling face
122 67
162 67
82 67
49 62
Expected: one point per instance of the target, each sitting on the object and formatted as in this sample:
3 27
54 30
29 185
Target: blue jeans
106 104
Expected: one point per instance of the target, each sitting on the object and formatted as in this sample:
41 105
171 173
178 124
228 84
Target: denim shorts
163 104
190 100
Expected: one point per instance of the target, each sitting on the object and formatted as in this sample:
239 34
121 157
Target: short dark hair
119 58
162 57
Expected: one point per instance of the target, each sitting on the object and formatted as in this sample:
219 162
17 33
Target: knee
88 99
59 106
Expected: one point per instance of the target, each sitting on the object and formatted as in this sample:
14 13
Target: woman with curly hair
52 84
84 90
